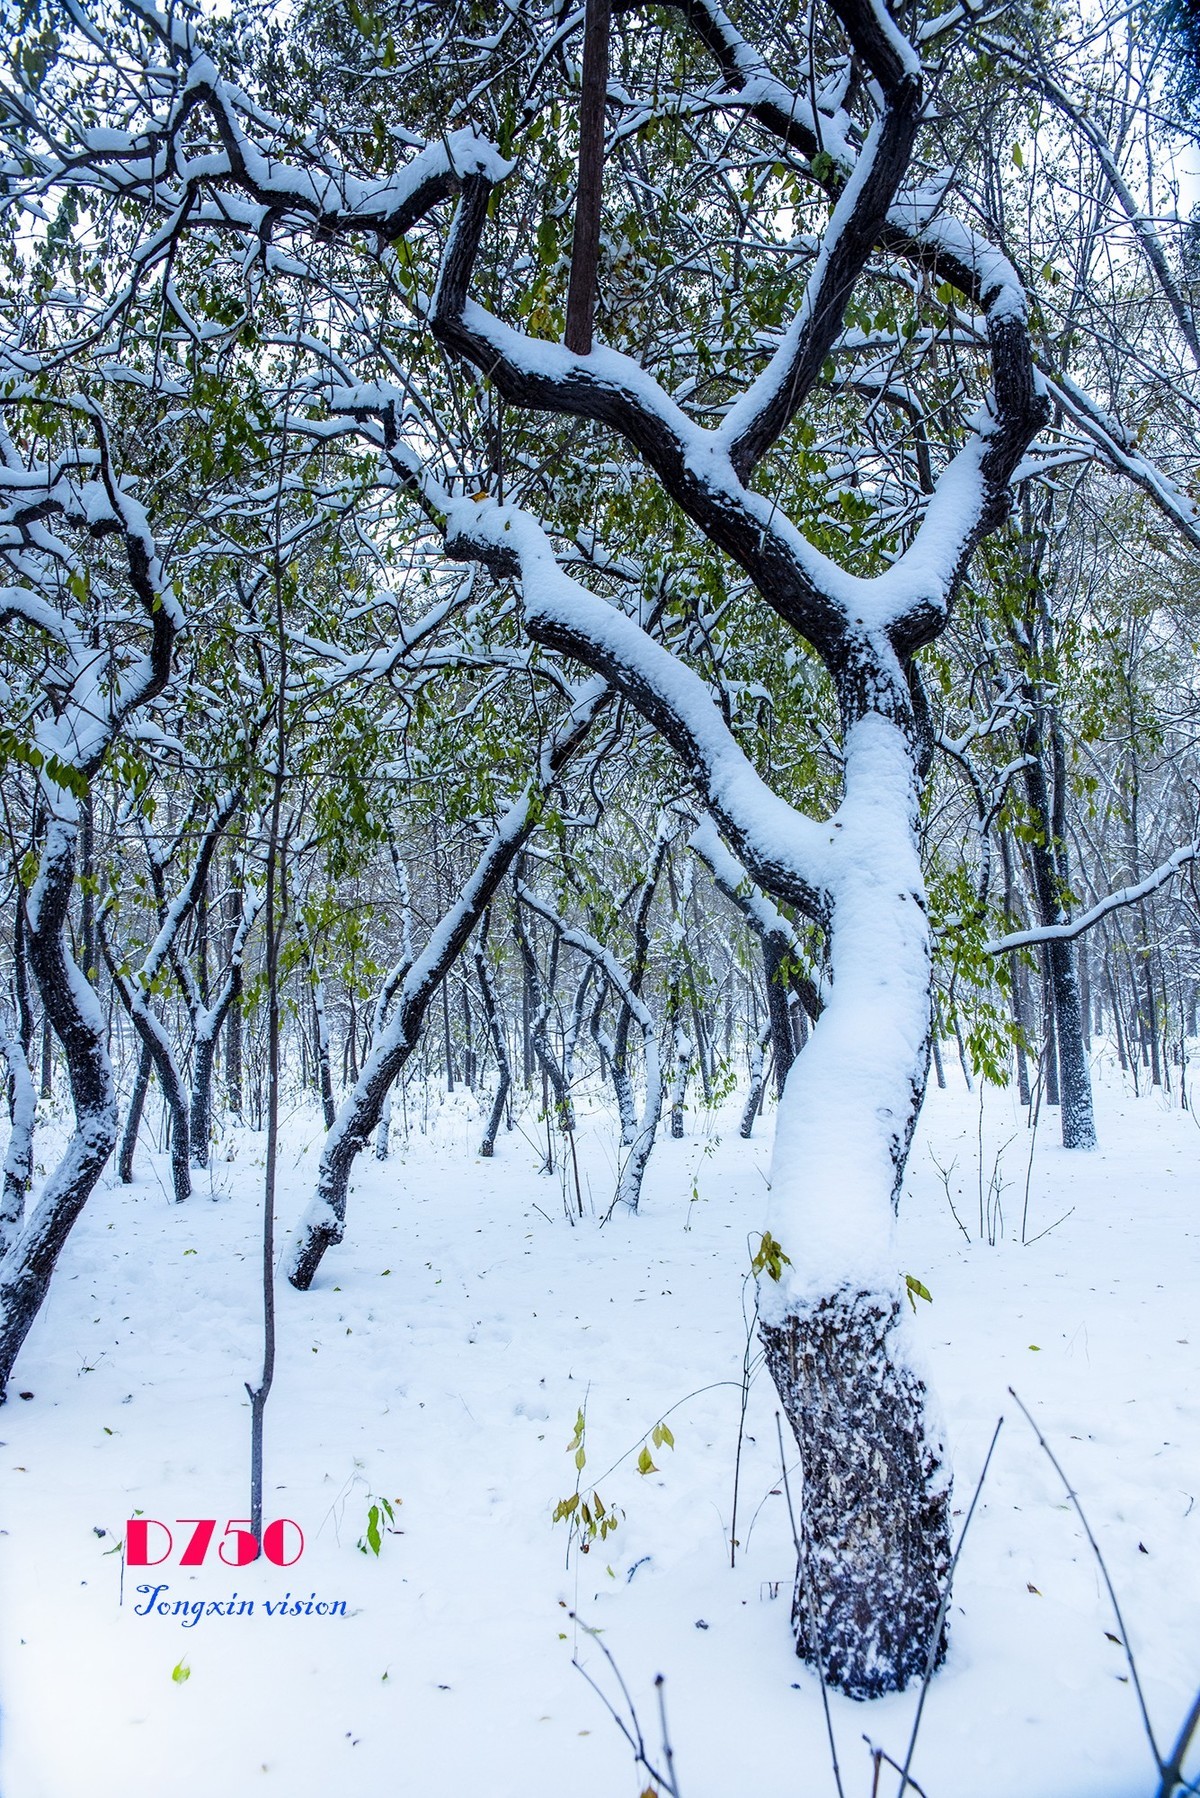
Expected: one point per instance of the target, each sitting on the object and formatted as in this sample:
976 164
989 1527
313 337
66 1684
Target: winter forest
601 633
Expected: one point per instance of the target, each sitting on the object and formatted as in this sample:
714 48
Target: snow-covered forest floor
442 1359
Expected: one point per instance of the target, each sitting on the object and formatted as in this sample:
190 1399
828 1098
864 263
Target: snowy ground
442 1358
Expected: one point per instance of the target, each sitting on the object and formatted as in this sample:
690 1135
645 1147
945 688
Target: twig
1173 1771
668 1755
945 1173
1095 1548
1049 1227
737 1459
880 1755
940 1620
633 1736
1035 1111
812 1622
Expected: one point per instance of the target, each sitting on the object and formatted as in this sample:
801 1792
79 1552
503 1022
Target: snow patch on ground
442 1358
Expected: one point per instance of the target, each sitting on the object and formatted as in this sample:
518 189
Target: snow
849 1095
457 1332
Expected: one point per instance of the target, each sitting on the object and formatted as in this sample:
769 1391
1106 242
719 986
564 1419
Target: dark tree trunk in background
782 1042
1065 1052
491 1008
133 1117
1049 1033
585 248
233 1022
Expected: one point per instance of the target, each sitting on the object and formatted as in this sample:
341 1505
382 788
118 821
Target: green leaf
181 1672
644 1463
916 1290
770 1258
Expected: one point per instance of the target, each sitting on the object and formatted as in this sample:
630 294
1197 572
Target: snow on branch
764 918
864 628
185 177
784 850
1022 939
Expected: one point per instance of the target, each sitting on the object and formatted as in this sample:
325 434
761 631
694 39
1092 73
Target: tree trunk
157 1045
777 1011
73 1010
875 1536
1048 858
200 1121
18 1159
543 999
324 1222
585 250
233 1022
491 1007
754 1095
875 1500
938 1068
133 1117
321 1041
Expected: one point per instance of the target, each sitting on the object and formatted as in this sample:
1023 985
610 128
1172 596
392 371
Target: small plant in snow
770 1258
588 1519
378 1510
709 1148
914 1290
661 1437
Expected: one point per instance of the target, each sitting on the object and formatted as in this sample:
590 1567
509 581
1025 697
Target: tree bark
491 1008
18 1158
133 1117
1062 987
875 1540
585 248
73 1010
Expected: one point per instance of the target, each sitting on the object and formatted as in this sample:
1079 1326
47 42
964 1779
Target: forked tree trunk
606 966
553 1072
875 1506
157 1045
